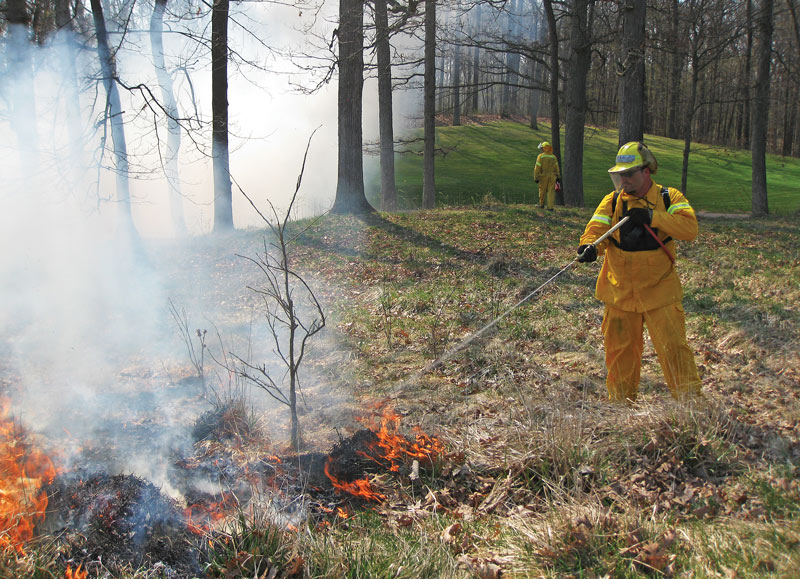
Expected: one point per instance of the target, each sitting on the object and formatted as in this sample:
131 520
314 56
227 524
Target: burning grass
520 467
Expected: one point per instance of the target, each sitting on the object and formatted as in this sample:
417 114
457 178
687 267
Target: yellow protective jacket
546 164
638 281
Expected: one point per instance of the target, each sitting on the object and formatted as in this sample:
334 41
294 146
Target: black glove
536 180
639 216
587 253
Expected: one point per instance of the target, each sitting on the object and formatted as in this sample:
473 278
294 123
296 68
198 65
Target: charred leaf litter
109 522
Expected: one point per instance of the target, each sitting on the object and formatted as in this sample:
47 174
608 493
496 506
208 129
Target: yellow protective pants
547 191
622 334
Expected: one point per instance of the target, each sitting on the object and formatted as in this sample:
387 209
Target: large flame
24 469
391 449
396 448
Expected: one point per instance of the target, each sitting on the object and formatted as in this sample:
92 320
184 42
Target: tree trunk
19 81
535 97
223 197
631 117
535 75
748 76
350 197
758 134
457 87
67 57
508 104
429 114
385 125
790 119
687 126
476 56
555 121
114 114
171 109
580 61
676 68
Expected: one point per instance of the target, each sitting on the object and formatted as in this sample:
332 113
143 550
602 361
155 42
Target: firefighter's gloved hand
639 216
587 253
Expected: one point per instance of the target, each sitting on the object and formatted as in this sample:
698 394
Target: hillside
490 157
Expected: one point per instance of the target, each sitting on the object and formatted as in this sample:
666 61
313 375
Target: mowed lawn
496 159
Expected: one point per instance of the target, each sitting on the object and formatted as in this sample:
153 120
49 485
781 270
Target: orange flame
360 488
392 448
77 574
201 518
396 447
23 470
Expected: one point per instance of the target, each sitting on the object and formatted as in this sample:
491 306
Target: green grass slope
496 159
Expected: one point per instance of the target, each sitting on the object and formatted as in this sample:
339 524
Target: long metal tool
472 337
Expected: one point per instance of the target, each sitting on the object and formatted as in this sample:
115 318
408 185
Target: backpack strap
664 195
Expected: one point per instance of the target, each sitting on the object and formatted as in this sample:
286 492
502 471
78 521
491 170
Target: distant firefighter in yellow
638 281
546 173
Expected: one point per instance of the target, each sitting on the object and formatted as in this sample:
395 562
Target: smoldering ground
93 359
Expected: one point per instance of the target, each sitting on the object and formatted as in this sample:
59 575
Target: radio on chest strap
640 242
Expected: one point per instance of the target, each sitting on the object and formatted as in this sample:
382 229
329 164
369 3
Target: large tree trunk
19 81
223 197
171 108
632 79
350 197
758 134
429 114
386 128
580 61
676 68
114 114
555 121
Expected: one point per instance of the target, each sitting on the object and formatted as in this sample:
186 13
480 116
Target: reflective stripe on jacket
546 164
639 281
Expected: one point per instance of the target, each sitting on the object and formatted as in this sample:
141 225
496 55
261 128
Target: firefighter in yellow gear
638 281
546 173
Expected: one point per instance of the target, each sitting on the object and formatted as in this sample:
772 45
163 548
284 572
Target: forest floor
527 469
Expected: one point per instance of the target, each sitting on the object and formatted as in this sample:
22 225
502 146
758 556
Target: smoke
91 353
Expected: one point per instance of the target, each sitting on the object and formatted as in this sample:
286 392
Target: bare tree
555 120
631 72
758 147
223 195
429 113
350 196
285 312
171 110
385 124
113 114
579 63
22 97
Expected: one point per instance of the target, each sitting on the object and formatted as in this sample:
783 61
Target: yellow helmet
543 145
632 155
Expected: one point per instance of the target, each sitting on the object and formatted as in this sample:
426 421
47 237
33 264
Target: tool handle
610 231
606 234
